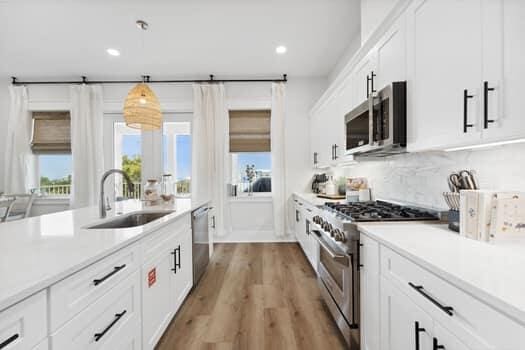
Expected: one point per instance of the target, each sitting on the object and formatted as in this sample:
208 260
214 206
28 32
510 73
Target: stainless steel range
335 227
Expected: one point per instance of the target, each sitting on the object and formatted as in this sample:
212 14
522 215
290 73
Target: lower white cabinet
404 325
111 322
166 280
369 292
24 325
419 310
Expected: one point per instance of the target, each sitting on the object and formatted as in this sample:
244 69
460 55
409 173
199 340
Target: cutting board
332 197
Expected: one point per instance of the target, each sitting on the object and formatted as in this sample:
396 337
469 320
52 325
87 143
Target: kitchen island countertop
39 251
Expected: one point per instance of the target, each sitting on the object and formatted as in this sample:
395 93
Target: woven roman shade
250 131
51 132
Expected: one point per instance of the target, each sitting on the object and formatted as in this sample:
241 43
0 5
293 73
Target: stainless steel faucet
102 207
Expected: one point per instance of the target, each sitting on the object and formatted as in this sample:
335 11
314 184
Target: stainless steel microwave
378 125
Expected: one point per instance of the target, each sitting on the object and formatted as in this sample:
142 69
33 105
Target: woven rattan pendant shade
142 108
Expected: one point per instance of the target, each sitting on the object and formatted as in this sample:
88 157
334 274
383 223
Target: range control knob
339 236
333 232
327 227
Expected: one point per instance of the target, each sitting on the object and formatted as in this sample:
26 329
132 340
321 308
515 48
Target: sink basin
130 220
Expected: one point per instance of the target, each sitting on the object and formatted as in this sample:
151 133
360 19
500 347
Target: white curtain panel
87 149
210 160
20 163
278 160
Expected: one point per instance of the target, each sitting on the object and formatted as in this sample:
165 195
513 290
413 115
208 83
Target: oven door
336 273
359 125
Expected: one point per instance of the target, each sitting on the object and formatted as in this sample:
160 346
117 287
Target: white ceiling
68 38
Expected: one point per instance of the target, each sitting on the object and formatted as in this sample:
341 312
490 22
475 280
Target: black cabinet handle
315 158
176 259
9 340
417 330
446 309
436 346
335 151
372 90
213 221
486 90
116 269
367 86
99 336
466 125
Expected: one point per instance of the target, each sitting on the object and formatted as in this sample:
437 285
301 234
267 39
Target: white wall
251 220
4 108
421 178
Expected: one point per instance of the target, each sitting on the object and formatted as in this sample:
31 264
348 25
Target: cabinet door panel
504 71
391 55
444 50
398 321
157 304
370 299
182 280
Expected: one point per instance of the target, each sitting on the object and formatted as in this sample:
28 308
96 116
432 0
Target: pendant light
142 107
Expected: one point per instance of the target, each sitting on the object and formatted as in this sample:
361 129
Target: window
55 174
177 154
51 143
260 178
127 155
250 149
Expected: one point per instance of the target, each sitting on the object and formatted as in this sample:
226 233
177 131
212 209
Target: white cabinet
369 292
70 296
465 76
403 323
24 325
391 55
183 274
503 69
166 277
327 133
112 319
445 71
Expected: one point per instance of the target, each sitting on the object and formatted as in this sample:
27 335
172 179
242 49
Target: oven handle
339 258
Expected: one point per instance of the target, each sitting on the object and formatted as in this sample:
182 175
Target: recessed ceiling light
113 52
281 49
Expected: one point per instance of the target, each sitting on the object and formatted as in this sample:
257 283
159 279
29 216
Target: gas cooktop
379 211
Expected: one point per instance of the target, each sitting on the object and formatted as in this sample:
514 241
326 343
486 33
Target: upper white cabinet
390 55
503 69
327 133
445 71
465 63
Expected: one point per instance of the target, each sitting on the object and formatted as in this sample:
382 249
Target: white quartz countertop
491 273
313 199
39 251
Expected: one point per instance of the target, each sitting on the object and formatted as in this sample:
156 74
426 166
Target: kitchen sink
131 220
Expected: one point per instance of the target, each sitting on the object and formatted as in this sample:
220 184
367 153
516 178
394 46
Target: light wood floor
254 297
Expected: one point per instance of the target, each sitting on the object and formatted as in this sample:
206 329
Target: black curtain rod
147 79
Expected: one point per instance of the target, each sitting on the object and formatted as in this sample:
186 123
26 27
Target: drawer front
24 325
471 320
152 244
73 294
111 320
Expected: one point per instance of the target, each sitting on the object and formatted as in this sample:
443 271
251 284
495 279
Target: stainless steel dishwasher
201 249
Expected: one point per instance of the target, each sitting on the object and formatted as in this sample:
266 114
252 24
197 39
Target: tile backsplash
420 178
